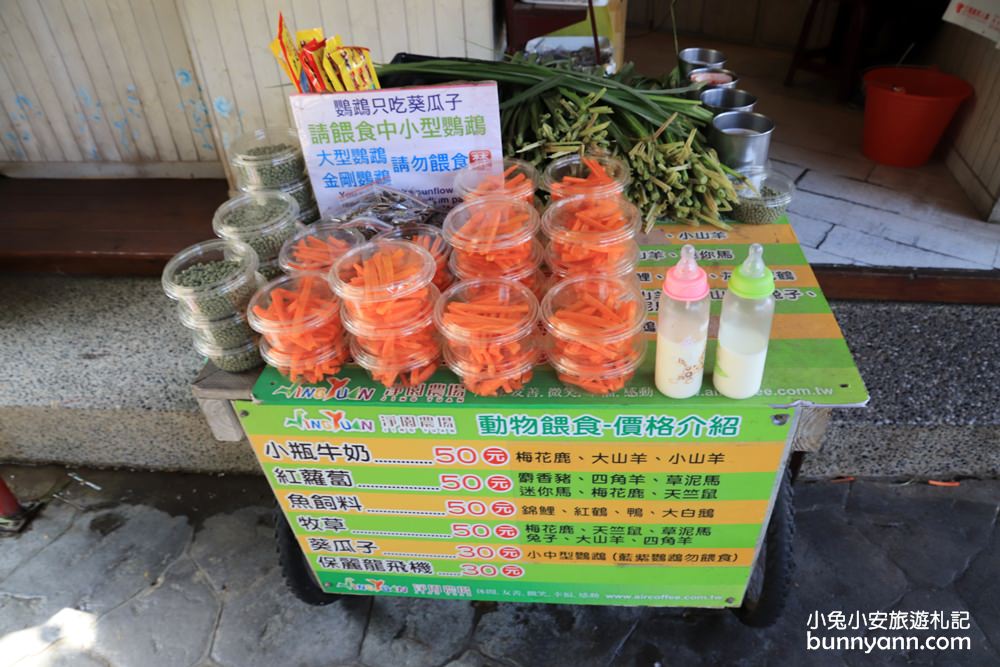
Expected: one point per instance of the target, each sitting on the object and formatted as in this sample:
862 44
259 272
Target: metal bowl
741 138
696 58
720 100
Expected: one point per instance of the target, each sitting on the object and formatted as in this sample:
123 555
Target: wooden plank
79 122
164 77
23 104
212 383
421 28
449 24
337 20
810 429
272 83
923 285
144 92
21 127
779 22
222 419
245 107
365 29
10 137
112 52
189 86
51 108
689 14
393 34
970 183
307 15
186 170
478 22
730 21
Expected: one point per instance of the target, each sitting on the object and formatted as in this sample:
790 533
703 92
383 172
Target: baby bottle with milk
745 327
682 328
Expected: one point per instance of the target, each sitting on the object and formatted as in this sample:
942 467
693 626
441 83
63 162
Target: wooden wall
92 88
974 154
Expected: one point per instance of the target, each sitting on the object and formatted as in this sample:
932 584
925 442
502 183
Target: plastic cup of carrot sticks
406 359
385 282
529 274
594 325
510 176
310 367
317 247
492 235
625 267
593 175
297 315
212 278
490 329
589 235
430 239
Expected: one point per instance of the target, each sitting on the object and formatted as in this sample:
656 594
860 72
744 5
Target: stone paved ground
180 570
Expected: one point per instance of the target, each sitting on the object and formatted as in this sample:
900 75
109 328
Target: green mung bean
258 169
247 218
214 303
756 211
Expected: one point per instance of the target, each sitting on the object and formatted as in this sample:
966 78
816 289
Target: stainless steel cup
714 70
741 138
694 58
720 100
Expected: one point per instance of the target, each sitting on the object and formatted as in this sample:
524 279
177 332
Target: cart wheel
298 575
771 578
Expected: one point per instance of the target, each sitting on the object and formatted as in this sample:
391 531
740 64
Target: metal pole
10 508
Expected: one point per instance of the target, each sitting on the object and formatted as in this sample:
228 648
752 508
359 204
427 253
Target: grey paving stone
405 632
59 656
264 626
236 549
46 528
184 600
978 588
541 634
891 516
474 659
811 495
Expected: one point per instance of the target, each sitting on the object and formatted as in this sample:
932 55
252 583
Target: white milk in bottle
682 328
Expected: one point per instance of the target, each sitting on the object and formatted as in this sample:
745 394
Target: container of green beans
763 195
267 158
225 332
212 279
231 359
264 219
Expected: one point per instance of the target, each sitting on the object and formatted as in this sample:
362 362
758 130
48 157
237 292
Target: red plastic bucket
906 111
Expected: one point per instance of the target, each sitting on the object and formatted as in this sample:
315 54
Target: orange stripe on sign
804 278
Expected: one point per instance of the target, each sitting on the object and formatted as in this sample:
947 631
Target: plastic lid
585 220
395 269
194 320
609 370
376 364
207 348
312 285
427 237
216 250
752 279
685 280
491 223
253 214
510 176
490 310
384 330
242 148
516 367
567 176
613 308
282 359
763 186
317 247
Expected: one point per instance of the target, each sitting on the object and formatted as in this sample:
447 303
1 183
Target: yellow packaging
329 66
284 49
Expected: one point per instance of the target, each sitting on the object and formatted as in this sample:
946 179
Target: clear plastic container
594 325
264 219
322 363
224 332
498 381
318 247
212 278
297 314
229 359
530 274
369 228
301 191
385 204
593 175
310 215
270 157
385 282
430 239
625 267
682 327
396 344
588 235
489 324
492 235
406 369
763 196
271 269
510 177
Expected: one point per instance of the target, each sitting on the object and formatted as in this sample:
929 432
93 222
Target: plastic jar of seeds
230 359
399 355
264 219
385 283
491 235
763 196
430 239
227 331
589 235
594 326
298 314
489 325
382 203
529 274
212 279
510 177
592 175
313 367
270 157
317 247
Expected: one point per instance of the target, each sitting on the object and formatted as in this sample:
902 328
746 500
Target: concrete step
97 372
